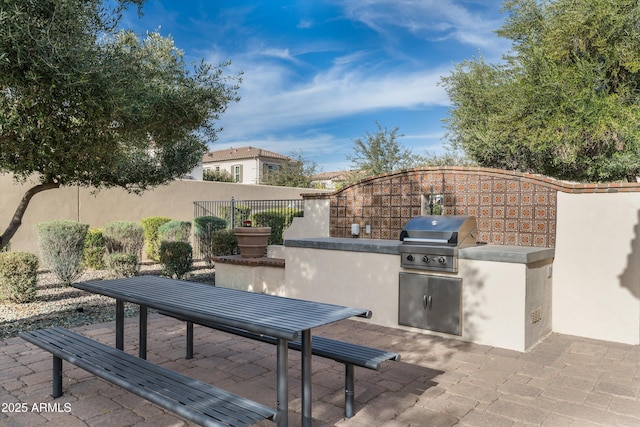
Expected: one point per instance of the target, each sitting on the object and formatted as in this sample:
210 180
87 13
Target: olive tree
565 101
380 152
85 103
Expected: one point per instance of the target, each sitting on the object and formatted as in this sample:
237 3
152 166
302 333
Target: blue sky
319 73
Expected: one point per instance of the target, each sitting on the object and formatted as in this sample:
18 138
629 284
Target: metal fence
236 212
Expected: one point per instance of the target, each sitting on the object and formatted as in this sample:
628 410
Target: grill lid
454 230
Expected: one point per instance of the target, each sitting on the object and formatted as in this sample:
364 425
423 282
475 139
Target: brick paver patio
563 381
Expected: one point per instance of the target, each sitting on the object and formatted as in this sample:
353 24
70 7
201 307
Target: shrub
176 258
175 231
150 226
120 264
61 245
223 243
124 236
94 249
278 220
240 213
18 276
203 229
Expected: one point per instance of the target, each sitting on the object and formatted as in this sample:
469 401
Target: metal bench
191 399
346 353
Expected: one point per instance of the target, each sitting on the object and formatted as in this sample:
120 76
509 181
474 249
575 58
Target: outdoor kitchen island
504 299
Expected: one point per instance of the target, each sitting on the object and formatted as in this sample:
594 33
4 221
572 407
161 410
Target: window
237 173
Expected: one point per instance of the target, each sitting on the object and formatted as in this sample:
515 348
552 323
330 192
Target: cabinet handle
427 302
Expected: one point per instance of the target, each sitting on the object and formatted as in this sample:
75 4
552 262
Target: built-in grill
432 242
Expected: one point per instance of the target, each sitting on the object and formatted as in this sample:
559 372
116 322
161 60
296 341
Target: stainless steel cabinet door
430 302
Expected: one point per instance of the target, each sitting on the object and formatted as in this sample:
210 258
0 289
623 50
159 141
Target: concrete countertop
378 246
496 253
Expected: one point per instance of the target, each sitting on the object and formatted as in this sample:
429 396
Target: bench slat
188 397
340 351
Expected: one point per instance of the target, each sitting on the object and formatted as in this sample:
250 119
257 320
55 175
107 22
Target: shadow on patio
564 380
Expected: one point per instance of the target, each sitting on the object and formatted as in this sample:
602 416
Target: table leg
142 333
306 378
283 382
120 324
189 340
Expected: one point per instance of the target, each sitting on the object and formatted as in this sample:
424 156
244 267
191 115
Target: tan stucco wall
596 286
81 204
496 296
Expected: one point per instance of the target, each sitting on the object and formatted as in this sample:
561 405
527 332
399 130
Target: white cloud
270 103
432 19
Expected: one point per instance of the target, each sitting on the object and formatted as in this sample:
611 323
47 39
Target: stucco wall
174 200
596 286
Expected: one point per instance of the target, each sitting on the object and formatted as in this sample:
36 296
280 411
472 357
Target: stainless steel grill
432 242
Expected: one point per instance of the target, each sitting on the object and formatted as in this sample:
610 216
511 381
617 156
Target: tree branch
16 220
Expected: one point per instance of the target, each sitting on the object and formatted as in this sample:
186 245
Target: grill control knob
425 259
409 257
442 260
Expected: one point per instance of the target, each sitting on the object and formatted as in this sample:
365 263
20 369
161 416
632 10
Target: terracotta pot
252 241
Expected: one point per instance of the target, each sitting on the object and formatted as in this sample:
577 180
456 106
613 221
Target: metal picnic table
279 317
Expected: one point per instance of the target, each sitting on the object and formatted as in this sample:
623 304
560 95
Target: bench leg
348 391
189 340
57 377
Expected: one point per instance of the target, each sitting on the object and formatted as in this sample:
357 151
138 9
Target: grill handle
424 240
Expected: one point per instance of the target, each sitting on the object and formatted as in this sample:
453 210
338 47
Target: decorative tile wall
510 208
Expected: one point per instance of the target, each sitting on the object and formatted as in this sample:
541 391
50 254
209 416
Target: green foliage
85 102
176 258
18 276
175 231
217 175
121 265
150 226
124 236
278 220
94 249
380 152
203 229
565 102
240 214
297 172
451 156
224 243
61 245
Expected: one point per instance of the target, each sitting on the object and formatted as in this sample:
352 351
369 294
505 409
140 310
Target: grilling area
513 257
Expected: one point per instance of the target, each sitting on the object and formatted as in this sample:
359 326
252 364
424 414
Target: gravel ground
56 305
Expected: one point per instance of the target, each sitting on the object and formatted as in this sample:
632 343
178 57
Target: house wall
174 200
594 228
252 169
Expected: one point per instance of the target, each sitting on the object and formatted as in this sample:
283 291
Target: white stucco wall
596 287
315 222
496 296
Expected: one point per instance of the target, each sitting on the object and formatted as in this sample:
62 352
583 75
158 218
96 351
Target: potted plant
252 241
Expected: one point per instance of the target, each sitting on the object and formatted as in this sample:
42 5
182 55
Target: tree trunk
16 220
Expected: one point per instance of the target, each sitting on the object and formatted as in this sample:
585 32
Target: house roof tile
240 153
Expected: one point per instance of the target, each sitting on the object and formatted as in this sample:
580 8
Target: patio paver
563 381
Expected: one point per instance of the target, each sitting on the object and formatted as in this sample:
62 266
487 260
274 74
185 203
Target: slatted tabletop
272 315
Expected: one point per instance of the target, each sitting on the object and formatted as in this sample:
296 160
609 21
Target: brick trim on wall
511 208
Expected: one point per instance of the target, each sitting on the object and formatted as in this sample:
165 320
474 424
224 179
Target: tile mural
510 208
